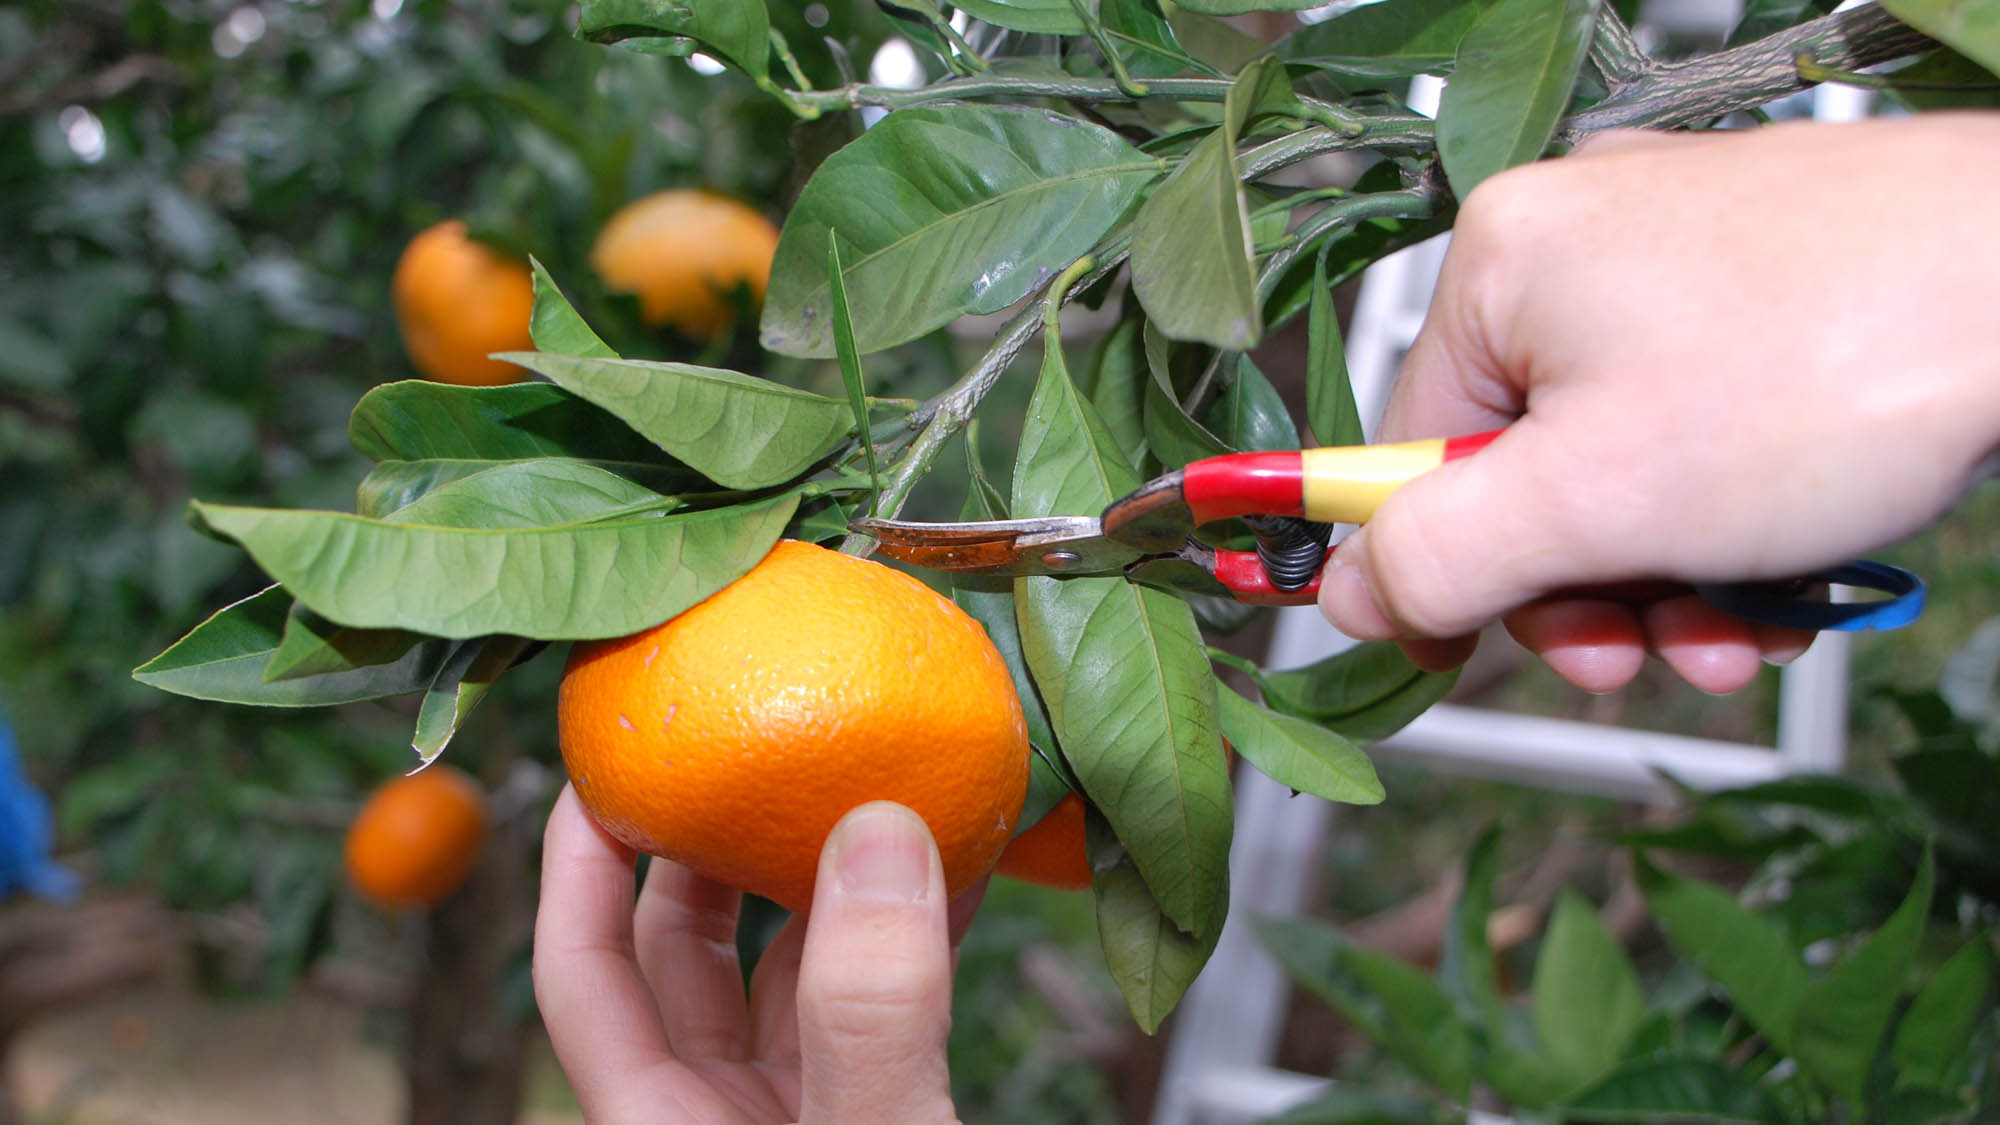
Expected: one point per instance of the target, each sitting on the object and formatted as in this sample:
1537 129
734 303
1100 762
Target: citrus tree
1144 159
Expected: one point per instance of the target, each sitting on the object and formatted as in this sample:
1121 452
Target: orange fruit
680 252
731 738
458 300
416 838
1051 853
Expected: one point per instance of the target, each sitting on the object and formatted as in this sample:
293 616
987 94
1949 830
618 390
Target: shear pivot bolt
1061 560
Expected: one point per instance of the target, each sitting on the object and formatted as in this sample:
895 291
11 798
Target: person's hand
845 1020
1724 357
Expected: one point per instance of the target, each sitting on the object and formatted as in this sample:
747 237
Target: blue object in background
25 832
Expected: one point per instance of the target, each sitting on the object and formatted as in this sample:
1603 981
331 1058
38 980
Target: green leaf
1239 7
1249 414
1678 1087
1118 389
1587 1001
736 31
547 492
419 420
1152 960
1193 260
943 211
1763 17
1330 408
1511 84
223 659
1970 27
738 430
1145 40
850 365
313 646
603 578
392 486
1172 435
1391 1002
1466 970
554 325
1392 38
458 688
1039 17
1121 668
1367 692
1745 955
1347 1106
1944 79
1215 43
1845 1013
1297 754
1933 1036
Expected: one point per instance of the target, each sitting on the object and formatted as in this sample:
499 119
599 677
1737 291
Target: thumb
1453 549
875 975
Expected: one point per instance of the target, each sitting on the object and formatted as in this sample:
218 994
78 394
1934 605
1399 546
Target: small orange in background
416 838
732 738
680 252
457 301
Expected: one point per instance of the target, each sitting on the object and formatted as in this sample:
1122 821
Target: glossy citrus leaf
1391 1002
1152 960
459 686
738 430
1844 1014
418 420
1466 969
1121 668
1932 1037
392 486
1249 414
1193 263
1118 389
851 375
1240 7
548 492
943 211
223 660
313 646
1302 756
1510 85
1041 17
1138 30
555 326
1330 407
1587 1001
1683 1086
1366 692
1388 39
737 31
1745 955
1970 27
597 577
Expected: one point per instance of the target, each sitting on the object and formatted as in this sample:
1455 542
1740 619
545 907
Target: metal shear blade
1044 545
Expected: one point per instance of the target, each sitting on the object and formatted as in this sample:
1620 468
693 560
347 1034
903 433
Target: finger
594 1001
1634 140
875 975
1706 647
1781 645
1598 646
1456 547
1441 654
774 991
685 932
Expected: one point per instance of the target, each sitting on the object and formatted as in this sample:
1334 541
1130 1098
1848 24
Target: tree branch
1617 55
1709 86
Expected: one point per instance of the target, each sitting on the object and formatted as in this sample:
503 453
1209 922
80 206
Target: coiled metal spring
1291 549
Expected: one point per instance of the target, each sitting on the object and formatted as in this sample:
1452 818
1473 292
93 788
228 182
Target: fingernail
881 855
1345 600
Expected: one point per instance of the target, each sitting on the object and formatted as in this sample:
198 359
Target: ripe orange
416 838
680 251
458 300
1052 852
733 737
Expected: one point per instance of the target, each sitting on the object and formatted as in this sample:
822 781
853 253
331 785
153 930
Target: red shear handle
1341 484
1243 572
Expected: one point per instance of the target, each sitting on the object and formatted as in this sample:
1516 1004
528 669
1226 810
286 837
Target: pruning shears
1290 501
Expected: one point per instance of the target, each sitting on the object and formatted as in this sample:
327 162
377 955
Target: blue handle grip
1782 603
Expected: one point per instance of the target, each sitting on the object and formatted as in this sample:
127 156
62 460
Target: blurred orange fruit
458 300
1051 853
416 838
731 738
681 252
